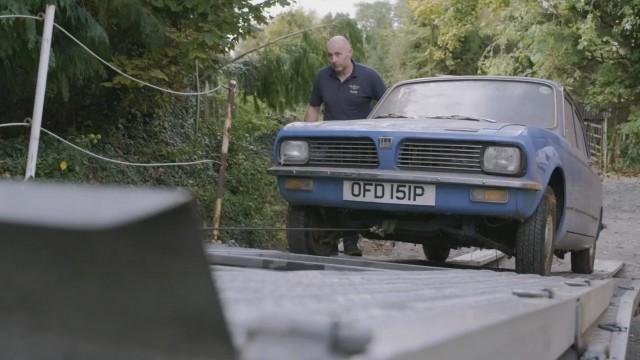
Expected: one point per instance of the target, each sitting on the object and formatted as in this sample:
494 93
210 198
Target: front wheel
535 237
310 242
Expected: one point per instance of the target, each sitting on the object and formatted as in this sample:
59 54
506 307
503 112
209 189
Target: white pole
41 87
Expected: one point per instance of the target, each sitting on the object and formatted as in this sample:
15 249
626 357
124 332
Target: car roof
483 77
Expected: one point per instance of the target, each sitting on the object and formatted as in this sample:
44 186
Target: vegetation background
591 47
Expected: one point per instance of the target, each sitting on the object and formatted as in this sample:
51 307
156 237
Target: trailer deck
403 311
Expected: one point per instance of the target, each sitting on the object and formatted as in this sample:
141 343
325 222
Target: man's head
339 53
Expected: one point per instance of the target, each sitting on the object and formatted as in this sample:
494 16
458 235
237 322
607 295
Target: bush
251 197
628 152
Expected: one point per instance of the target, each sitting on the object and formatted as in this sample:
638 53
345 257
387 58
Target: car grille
343 153
440 156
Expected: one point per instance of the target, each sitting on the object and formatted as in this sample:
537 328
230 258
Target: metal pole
223 158
41 88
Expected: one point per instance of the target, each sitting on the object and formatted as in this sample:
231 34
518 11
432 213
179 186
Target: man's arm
312 114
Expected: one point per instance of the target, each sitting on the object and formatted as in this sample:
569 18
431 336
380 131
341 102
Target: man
347 91
346 88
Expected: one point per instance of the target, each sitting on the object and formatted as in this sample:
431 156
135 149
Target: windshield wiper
461 117
392 116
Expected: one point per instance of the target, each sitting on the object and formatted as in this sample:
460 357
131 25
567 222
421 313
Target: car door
581 184
593 191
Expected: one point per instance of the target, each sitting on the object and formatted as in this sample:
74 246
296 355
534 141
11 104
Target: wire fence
104 158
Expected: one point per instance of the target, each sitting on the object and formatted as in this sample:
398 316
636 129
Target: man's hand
312 114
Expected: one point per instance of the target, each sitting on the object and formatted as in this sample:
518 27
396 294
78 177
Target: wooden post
605 145
223 159
195 121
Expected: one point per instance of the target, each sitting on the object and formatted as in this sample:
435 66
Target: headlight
501 160
294 152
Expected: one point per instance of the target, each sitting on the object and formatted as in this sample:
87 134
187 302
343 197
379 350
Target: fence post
41 88
605 144
197 118
223 159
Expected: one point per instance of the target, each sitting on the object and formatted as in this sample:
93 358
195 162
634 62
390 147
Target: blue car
448 162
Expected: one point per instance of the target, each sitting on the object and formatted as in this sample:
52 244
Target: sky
323 7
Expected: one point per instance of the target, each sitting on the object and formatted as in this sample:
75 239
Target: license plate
389 193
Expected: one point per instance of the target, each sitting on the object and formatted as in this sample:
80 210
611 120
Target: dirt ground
620 240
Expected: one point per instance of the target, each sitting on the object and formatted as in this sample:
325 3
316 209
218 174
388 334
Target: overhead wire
170 91
272 228
111 66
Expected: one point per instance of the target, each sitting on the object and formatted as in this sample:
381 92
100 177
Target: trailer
122 273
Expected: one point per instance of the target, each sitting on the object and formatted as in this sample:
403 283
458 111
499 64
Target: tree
375 20
155 40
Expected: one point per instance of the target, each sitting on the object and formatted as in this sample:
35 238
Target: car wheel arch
557 182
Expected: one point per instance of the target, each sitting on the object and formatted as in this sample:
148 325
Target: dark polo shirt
350 99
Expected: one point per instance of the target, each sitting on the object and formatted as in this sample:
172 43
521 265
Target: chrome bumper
404 175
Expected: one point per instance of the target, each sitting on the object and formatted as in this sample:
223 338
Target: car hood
405 125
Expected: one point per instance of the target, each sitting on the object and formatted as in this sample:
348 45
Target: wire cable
20 17
271 228
112 67
187 163
170 91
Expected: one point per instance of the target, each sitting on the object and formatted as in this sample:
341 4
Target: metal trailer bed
113 273
397 311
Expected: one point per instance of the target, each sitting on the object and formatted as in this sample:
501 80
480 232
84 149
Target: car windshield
516 102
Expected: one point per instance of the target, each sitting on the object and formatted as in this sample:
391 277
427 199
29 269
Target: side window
569 127
581 139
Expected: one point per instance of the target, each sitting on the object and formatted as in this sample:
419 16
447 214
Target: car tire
535 237
436 252
322 243
582 260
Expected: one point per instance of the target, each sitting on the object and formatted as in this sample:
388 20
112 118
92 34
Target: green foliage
451 38
629 151
376 22
157 41
137 35
251 196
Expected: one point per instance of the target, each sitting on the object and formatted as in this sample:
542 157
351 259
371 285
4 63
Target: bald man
345 88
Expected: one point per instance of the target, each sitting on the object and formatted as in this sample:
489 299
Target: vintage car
448 162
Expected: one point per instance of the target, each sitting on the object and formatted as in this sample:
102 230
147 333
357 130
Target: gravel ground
620 240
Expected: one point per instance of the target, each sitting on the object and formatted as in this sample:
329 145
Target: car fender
546 163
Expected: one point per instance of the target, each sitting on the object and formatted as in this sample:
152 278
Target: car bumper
452 191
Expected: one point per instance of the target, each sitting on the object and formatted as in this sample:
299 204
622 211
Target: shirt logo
354 89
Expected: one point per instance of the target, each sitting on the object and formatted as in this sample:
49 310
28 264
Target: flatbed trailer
290 302
106 273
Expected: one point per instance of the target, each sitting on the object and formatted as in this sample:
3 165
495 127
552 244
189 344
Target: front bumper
452 191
